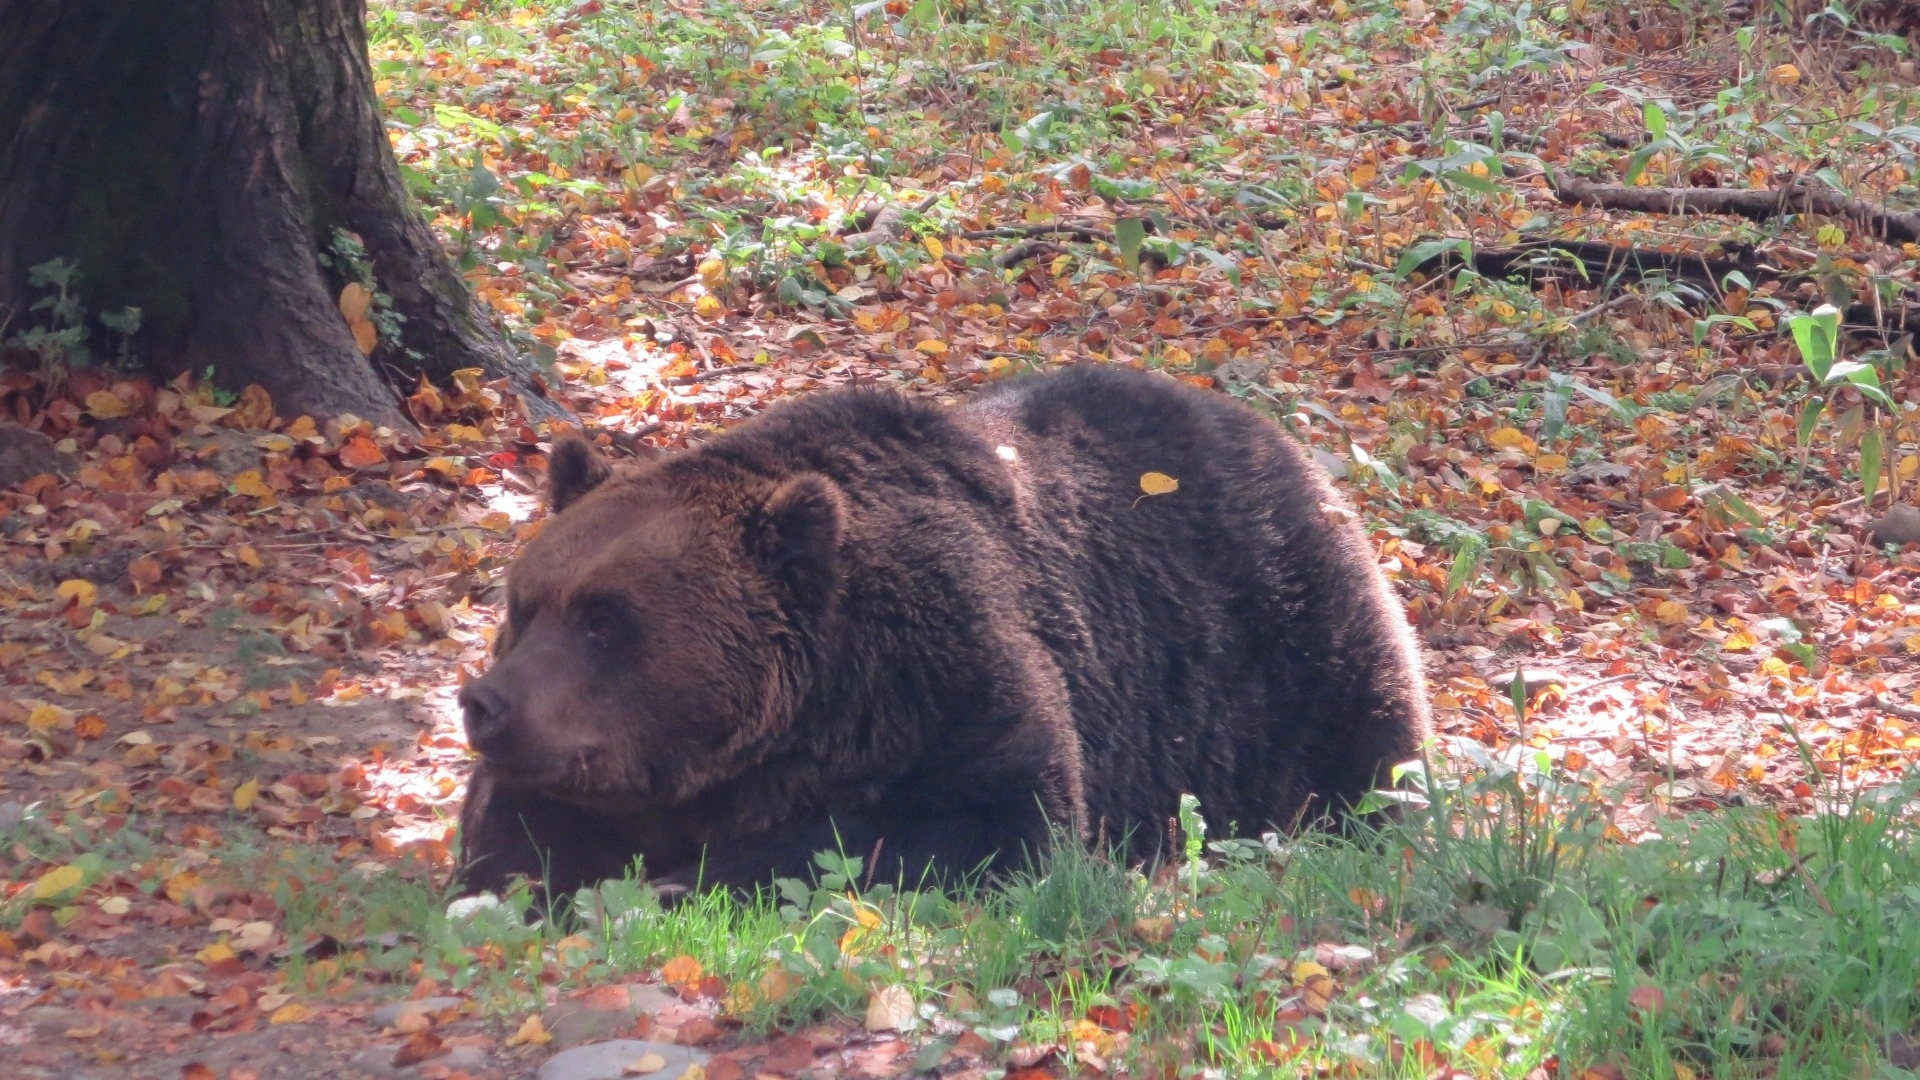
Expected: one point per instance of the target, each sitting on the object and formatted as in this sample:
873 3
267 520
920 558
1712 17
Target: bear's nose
486 716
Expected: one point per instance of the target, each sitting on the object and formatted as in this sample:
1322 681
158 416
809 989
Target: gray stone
1599 472
375 1061
26 454
609 1061
573 1023
388 1015
228 452
1240 370
1901 525
464 1057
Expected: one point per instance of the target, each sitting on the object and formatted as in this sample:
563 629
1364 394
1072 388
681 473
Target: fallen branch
1020 253
1595 264
1797 198
1092 234
701 376
886 225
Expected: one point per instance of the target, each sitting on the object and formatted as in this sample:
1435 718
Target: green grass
1497 926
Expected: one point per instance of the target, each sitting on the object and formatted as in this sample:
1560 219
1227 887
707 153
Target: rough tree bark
196 160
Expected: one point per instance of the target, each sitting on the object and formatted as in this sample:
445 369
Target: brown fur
860 620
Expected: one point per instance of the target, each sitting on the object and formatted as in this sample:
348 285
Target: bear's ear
573 469
796 536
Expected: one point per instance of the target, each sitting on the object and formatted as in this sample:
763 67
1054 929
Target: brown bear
871 623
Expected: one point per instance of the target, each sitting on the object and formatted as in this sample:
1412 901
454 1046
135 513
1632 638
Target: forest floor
1645 511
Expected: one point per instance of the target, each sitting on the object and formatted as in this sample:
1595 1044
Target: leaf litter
231 637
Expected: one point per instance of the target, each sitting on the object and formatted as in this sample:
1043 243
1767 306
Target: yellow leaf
1775 667
116 905
646 1065
214 953
1550 463
244 795
55 882
79 590
105 405
1158 483
248 555
713 273
932 347
532 1033
250 483
46 718
1785 74
354 302
708 307
1671 612
935 248
1307 969
497 521
1508 438
290 1013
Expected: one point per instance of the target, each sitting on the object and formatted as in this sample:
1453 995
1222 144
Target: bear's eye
605 620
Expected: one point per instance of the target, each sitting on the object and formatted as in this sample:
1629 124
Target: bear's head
660 629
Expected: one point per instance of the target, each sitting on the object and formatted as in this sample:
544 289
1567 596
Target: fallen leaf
80 591
681 972
291 1013
531 1033
1157 483
361 452
106 405
355 299
59 881
244 795
891 1008
1509 438
420 1046
644 1066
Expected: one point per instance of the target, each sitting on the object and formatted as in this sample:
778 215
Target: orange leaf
366 336
361 452
681 971
1669 498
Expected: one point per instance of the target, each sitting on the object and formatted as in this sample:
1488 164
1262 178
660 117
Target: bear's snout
489 719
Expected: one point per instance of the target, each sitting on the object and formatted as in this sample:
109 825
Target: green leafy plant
60 336
1817 336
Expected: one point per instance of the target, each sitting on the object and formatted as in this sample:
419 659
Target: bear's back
1226 638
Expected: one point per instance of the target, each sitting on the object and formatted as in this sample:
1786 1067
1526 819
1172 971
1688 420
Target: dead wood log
1596 264
1892 226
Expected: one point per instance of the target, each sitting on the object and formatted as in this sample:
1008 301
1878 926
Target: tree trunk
203 162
